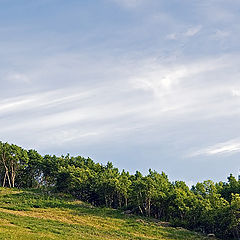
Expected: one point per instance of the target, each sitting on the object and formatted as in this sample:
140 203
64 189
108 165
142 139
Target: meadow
33 214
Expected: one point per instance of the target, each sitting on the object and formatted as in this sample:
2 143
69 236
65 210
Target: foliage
207 207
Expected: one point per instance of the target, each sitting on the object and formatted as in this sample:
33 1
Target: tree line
207 207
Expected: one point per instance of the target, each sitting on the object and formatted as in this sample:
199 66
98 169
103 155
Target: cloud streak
193 31
224 148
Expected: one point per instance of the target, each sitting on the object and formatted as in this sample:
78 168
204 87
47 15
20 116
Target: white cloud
18 77
229 147
13 105
172 36
236 92
193 31
219 34
162 78
63 136
190 32
42 100
144 94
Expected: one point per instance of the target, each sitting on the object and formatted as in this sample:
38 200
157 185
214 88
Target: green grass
34 215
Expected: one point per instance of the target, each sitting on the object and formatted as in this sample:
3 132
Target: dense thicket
208 207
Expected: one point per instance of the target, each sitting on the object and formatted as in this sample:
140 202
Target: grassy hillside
33 215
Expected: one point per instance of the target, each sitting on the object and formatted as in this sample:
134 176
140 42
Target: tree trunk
9 180
13 174
6 170
106 202
148 207
140 209
4 180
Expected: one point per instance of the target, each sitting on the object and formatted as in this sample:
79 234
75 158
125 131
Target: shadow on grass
26 200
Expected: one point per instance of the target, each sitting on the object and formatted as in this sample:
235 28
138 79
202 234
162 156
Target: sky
141 83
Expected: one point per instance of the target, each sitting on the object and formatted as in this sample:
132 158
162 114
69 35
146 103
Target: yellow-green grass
34 215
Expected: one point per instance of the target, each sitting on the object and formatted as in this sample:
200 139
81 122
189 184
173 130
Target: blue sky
142 83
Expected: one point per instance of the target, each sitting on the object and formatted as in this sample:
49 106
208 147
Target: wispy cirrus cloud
229 147
18 77
193 31
149 94
188 33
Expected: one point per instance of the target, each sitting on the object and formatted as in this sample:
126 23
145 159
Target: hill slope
33 215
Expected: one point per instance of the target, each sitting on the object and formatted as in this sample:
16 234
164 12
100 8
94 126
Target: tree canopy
207 207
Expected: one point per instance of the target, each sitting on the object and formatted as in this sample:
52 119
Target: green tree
13 159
